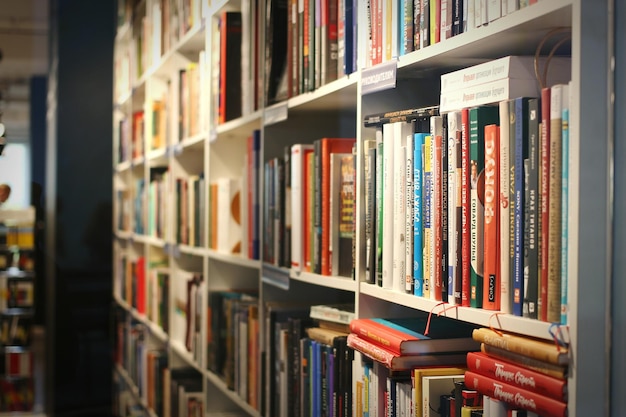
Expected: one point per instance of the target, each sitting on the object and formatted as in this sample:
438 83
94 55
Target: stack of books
518 372
405 343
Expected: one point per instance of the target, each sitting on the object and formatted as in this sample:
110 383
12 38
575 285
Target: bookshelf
197 154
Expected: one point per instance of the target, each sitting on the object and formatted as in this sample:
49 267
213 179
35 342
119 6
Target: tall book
388 205
369 149
230 66
427 254
418 217
436 130
465 209
559 97
479 117
455 209
544 194
380 211
504 204
491 289
409 197
276 51
298 203
564 214
519 203
342 203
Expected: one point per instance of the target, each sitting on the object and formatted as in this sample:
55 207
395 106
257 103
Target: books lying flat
397 362
405 336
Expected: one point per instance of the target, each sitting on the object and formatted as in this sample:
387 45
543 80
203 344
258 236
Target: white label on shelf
273 275
380 77
275 114
213 135
178 149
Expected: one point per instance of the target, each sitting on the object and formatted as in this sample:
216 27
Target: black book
406 115
276 50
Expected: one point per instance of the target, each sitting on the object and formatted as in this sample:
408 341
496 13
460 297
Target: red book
514 374
465 209
309 211
544 195
141 285
518 397
491 282
404 336
399 363
327 147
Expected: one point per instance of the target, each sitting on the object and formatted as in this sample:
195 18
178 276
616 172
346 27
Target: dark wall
81 76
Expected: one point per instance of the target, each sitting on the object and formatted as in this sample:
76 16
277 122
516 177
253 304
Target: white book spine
505 221
399 206
494 10
408 221
388 213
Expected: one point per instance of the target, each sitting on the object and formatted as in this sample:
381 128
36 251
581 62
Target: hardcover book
400 363
405 336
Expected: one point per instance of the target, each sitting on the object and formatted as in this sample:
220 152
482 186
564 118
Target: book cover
399 363
491 289
517 375
428 231
559 97
230 66
546 368
516 396
465 209
479 117
338 313
298 202
418 217
544 196
537 349
419 373
405 336
504 182
519 203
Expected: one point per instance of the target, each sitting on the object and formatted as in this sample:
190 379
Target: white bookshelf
337 109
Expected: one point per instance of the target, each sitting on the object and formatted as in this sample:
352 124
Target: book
230 66
325 336
556 371
406 115
454 207
434 387
479 117
342 232
516 396
512 66
492 283
544 351
504 183
387 240
465 210
298 203
517 375
369 165
544 196
405 336
338 313
418 207
276 51
399 363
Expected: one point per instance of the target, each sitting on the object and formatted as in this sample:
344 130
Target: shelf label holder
275 114
380 77
275 276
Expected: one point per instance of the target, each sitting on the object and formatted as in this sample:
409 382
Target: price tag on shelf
175 251
380 77
213 135
275 114
178 149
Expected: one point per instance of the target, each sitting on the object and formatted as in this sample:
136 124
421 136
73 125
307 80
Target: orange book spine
491 288
308 215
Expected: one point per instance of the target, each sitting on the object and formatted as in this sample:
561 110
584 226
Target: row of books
17 259
154 31
445 230
17 292
20 234
309 207
396 28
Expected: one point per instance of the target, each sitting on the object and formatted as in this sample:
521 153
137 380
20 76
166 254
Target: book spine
515 396
444 214
370 220
555 371
545 200
454 207
517 375
505 202
521 154
558 100
564 214
399 206
465 209
379 334
377 353
417 14
544 351
388 203
491 290
428 232
531 287
437 283
380 190
418 205
409 198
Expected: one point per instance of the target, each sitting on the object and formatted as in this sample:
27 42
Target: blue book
521 153
316 379
330 381
564 211
418 170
